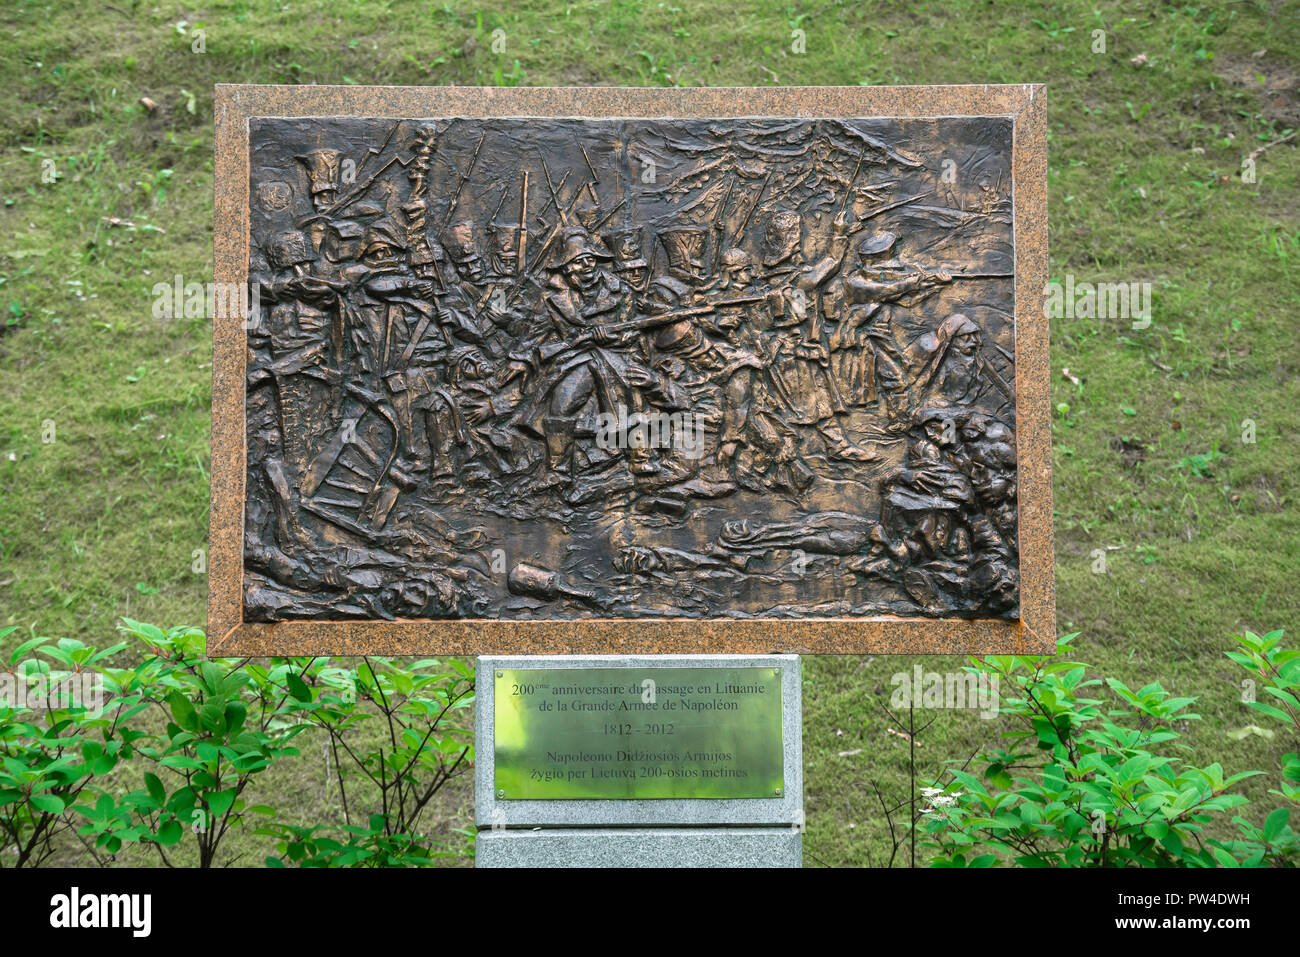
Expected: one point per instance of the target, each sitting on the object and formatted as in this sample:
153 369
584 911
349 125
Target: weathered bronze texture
631 371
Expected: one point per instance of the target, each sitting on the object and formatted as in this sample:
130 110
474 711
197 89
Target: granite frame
1034 632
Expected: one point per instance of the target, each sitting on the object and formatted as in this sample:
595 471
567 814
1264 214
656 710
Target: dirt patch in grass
1273 77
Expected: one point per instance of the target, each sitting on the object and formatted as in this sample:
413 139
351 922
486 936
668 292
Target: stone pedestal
641 847
664 832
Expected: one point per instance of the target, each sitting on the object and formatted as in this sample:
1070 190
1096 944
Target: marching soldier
716 373
487 378
505 265
462 247
685 248
736 279
399 342
338 240
477 301
322 168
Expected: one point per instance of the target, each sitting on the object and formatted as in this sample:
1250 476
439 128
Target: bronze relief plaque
631 371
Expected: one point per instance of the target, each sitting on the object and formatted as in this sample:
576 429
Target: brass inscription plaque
623 733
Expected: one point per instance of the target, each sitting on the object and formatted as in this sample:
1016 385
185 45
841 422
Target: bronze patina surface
630 371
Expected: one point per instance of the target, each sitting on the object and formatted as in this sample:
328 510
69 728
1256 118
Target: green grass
1145 185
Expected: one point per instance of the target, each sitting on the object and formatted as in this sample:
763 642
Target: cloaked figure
950 368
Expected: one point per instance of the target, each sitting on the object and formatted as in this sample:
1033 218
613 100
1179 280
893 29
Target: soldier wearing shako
629 257
335 239
505 265
685 248
322 167
476 302
478 316
462 246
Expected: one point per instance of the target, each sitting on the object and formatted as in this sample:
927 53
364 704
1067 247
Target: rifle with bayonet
720 225
417 237
657 321
750 215
862 221
455 198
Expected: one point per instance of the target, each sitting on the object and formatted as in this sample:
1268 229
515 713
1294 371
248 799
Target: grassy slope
104 521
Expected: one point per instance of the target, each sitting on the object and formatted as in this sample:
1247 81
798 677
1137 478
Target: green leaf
1224 858
169 833
155 786
212 717
1155 830
182 761
183 711
150 633
998 776
1291 767
219 803
1275 822
25 647
297 687
1271 711
236 714
49 803
103 764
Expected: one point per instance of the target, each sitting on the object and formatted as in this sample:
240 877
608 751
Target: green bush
413 702
198 731
1081 787
1279 670
1075 785
52 749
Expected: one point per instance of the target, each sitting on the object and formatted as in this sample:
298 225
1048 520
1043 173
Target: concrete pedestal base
641 847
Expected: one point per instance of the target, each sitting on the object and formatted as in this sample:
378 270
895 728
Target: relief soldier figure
865 358
587 360
951 367
629 258
802 391
300 328
403 352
